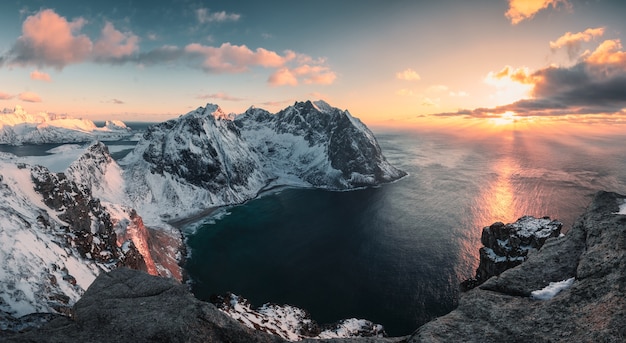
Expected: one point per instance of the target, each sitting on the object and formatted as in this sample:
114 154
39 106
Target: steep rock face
191 163
506 246
318 143
55 239
205 158
90 229
587 265
160 247
128 305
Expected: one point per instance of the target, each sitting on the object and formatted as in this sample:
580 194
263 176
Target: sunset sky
388 62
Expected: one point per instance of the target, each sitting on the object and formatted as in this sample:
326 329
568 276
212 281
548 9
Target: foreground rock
131 306
588 266
508 245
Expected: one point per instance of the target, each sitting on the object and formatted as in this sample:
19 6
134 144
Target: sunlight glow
505 119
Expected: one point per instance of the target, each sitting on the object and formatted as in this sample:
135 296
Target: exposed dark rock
90 229
593 309
131 306
507 246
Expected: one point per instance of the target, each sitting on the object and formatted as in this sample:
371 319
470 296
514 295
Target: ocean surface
396 254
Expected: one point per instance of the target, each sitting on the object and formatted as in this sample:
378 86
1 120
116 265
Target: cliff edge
571 290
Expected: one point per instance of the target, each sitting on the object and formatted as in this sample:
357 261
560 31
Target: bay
395 254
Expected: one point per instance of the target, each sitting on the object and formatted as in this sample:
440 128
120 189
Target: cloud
219 96
5 96
408 75
116 102
204 15
51 40
29 97
520 10
114 45
573 41
305 73
38 75
595 86
283 77
234 58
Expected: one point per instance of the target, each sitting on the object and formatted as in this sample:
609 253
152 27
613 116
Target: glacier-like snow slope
320 145
205 158
19 127
40 272
191 163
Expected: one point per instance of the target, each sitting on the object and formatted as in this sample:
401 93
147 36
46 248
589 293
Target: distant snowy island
19 127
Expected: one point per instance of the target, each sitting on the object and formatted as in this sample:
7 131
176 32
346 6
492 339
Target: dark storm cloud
585 88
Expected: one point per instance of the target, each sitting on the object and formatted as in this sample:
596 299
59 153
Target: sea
393 254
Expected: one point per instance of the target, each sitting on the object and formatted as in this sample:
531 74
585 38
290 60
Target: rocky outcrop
508 245
90 229
131 306
292 323
587 265
583 274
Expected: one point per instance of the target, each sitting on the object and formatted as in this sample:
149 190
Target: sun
506 118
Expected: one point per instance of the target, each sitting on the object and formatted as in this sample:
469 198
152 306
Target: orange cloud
49 39
29 97
408 75
526 9
39 75
234 58
608 53
283 77
573 41
114 44
520 75
5 96
308 74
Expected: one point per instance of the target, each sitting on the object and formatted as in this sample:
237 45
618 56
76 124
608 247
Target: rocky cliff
571 290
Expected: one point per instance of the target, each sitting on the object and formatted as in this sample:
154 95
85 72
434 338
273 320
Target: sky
394 62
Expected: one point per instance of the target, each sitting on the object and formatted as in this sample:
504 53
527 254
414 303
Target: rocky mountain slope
205 158
61 230
584 273
571 290
19 127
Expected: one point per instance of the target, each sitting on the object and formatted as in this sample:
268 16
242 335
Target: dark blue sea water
396 254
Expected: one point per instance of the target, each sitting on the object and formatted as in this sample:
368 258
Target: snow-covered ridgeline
19 127
293 323
205 158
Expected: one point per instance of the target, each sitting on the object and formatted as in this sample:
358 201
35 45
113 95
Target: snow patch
552 289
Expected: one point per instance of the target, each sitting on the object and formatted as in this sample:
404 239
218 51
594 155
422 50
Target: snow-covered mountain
57 235
19 127
318 144
58 231
205 158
